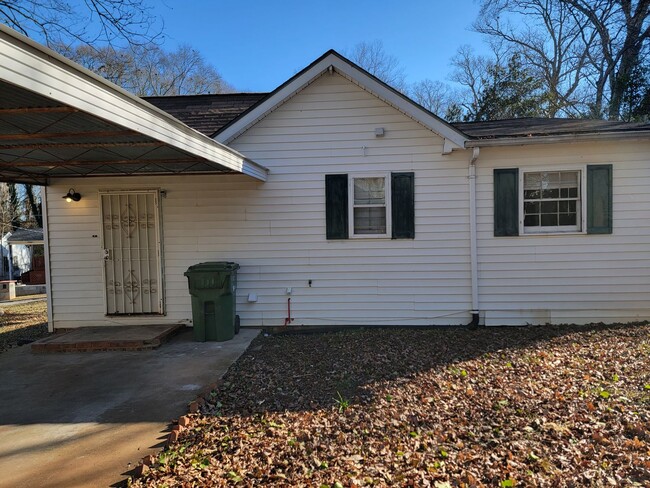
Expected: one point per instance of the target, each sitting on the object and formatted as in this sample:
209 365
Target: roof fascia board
25 243
275 99
563 138
37 68
454 137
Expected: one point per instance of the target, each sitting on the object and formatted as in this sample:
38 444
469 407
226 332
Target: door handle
107 254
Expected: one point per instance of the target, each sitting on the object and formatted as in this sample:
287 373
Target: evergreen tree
509 92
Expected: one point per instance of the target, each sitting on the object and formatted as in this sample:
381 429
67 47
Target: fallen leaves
431 407
22 323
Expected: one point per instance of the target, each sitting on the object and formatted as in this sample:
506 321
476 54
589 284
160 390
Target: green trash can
213 288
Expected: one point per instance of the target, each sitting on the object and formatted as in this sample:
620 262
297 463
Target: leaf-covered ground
537 406
21 323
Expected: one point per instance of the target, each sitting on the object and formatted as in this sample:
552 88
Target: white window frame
580 208
387 191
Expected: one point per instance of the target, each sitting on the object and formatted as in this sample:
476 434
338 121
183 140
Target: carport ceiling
40 139
59 120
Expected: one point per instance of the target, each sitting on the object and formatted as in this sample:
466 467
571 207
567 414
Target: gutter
529 140
472 236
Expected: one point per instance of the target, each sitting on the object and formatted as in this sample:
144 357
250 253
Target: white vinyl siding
276 230
572 278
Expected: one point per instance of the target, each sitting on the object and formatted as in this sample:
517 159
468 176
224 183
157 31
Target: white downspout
46 249
472 235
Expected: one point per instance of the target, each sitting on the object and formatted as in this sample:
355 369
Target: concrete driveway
85 419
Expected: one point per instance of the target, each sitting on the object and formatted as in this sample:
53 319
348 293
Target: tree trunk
634 38
34 206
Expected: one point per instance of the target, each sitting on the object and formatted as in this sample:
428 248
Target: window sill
554 233
365 239
370 236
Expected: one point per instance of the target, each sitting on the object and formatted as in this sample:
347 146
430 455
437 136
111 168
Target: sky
257 45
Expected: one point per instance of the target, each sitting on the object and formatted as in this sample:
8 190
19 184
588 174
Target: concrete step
111 338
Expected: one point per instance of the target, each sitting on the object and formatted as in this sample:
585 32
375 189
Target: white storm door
131 240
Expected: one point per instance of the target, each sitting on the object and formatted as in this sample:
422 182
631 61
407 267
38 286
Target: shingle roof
206 113
209 113
26 235
531 126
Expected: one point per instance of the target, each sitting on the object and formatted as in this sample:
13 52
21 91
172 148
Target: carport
60 120
82 419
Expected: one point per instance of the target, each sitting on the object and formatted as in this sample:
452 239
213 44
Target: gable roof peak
454 138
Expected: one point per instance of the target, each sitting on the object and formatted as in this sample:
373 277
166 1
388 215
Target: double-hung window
369 206
552 202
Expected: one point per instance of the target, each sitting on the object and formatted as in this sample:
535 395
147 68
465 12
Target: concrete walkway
85 419
22 301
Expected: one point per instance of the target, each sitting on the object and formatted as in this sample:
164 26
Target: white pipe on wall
472 231
48 274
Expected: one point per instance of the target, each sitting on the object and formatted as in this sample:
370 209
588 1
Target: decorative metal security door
131 239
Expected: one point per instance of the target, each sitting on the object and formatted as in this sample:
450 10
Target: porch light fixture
72 196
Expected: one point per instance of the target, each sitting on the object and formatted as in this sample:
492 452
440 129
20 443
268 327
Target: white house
333 191
17 252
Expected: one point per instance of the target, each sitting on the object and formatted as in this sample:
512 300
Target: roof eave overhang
24 243
560 138
454 139
27 64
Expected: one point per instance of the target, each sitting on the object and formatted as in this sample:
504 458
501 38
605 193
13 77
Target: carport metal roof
60 120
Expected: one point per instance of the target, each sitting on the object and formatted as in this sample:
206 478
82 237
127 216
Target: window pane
550 180
531 207
573 192
569 178
549 207
551 193
531 220
370 220
532 194
369 191
549 220
532 181
568 219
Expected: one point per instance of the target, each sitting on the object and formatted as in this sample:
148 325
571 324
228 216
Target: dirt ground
22 323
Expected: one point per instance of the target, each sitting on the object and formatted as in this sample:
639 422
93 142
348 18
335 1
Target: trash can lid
213 266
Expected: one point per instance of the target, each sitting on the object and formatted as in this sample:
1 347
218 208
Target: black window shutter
599 199
336 206
506 202
403 205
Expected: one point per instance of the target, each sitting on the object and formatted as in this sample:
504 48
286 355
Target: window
551 202
370 206
369 212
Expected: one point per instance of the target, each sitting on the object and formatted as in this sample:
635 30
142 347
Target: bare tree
87 21
623 29
372 57
20 207
588 52
150 71
433 95
551 41
471 72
